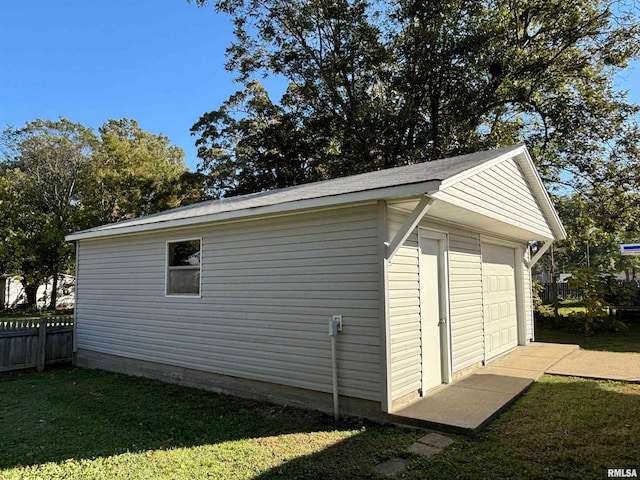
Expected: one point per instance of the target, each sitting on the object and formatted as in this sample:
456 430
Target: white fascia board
281 208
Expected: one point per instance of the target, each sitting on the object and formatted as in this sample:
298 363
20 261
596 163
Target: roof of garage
438 179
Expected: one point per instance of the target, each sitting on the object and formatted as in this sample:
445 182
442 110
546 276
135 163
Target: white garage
499 298
421 272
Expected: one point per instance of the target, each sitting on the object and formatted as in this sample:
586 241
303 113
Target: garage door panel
498 268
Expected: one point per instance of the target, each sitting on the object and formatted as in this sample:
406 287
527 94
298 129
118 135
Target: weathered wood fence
35 343
563 292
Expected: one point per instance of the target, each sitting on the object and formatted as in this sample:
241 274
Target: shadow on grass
561 428
84 414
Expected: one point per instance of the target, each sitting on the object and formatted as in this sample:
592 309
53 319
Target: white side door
433 310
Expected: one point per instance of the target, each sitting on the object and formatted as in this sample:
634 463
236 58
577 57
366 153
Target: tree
267 149
597 223
19 225
44 162
327 121
135 173
57 177
378 84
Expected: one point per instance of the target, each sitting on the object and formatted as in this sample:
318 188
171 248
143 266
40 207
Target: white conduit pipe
334 366
335 325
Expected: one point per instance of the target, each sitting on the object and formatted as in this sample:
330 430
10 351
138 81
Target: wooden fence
617 292
35 343
563 291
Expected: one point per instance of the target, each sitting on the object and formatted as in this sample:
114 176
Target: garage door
499 289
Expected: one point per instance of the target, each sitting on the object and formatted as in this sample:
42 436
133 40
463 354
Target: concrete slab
457 409
391 467
546 349
558 346
471 403
523 361
510 372
495 383
422 449
436 440
602 365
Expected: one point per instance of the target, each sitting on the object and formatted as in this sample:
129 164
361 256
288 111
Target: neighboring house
12 292
427 264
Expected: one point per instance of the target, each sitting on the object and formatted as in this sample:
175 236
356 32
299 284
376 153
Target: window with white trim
183 267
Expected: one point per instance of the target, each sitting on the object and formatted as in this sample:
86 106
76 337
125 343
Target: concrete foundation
240 387
465 406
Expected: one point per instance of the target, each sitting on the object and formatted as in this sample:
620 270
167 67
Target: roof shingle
423 172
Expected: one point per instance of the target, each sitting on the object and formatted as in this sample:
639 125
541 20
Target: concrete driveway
601 365
472 402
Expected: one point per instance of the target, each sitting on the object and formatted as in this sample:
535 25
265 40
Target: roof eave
543 197
522 156
427 188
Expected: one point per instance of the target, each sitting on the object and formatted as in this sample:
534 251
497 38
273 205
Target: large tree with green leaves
42 173
378 84
23 233
597 223
58 176
134 173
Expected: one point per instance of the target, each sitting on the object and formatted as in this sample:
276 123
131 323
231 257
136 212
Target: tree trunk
3 290
54 292
31 293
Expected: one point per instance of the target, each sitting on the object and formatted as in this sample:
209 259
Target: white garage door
499 287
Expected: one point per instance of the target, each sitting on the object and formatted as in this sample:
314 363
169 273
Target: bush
544 314
597 293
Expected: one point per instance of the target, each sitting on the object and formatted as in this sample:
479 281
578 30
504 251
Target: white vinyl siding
465 303
404 312
502 192
466 313
465 287
268 290
466 309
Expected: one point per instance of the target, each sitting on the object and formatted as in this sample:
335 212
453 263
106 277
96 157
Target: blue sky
159 62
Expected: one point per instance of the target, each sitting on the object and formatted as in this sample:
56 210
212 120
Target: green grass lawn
23 315
566 311
74 423
625 341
